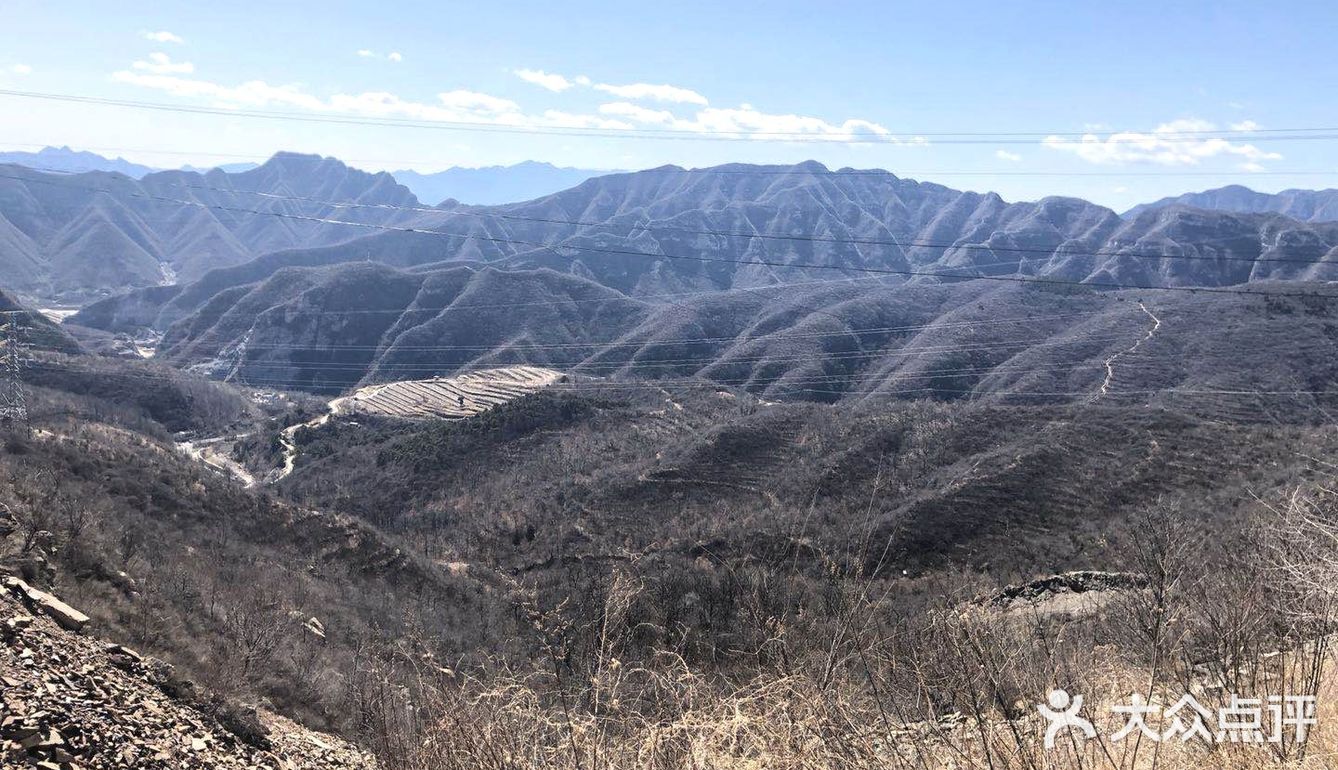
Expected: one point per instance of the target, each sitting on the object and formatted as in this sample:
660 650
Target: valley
357 467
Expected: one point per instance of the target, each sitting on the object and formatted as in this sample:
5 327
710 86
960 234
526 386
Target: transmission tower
13 359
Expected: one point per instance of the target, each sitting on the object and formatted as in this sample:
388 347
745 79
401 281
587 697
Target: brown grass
955 686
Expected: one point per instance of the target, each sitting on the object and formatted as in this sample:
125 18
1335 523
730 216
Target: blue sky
854 84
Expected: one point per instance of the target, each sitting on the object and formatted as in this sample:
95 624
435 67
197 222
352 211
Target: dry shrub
955 686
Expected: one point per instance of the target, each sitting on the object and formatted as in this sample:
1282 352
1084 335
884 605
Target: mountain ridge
71 237
1303 205
492 185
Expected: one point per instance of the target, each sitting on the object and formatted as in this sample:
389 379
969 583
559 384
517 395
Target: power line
722 260
742 134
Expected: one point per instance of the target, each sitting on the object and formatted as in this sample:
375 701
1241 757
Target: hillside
71 700
251 598
1302 205
678 471
332 328
69 237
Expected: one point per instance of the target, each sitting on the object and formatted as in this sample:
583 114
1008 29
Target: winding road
1110 362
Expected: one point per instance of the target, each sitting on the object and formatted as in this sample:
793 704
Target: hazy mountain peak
1305 205
490 185
66 160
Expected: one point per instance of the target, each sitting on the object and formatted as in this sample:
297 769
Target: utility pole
13 359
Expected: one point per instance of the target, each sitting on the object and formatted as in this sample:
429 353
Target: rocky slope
73 701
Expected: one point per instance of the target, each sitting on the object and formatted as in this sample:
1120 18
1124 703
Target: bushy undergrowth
855 683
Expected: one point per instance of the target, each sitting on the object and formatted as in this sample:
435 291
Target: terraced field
463 395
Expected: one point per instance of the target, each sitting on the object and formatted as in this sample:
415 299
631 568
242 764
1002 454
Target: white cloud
475 107
21 69
1245 125
474 101
582 80
162 36
450 106
162 64
1179 143
748 122
659 93
551 81
393 56
1011 157
255 93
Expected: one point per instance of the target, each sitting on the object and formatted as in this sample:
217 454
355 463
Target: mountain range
611 276
67 238
74 237
481 186
67 161
493 184
1305 205
64 160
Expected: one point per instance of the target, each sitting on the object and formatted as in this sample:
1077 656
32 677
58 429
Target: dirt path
213 452
287 438
1110 362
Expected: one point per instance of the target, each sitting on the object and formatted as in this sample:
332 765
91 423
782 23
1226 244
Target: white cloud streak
162 36
367 53
21 69
1177 143
746 121
550 80
161 74
162 64
652 92
1011 157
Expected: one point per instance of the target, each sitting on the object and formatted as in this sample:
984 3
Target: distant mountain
65 160
231 168
493 184
1305 205
71 237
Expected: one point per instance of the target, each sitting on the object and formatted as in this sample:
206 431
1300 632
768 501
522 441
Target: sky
1119 103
